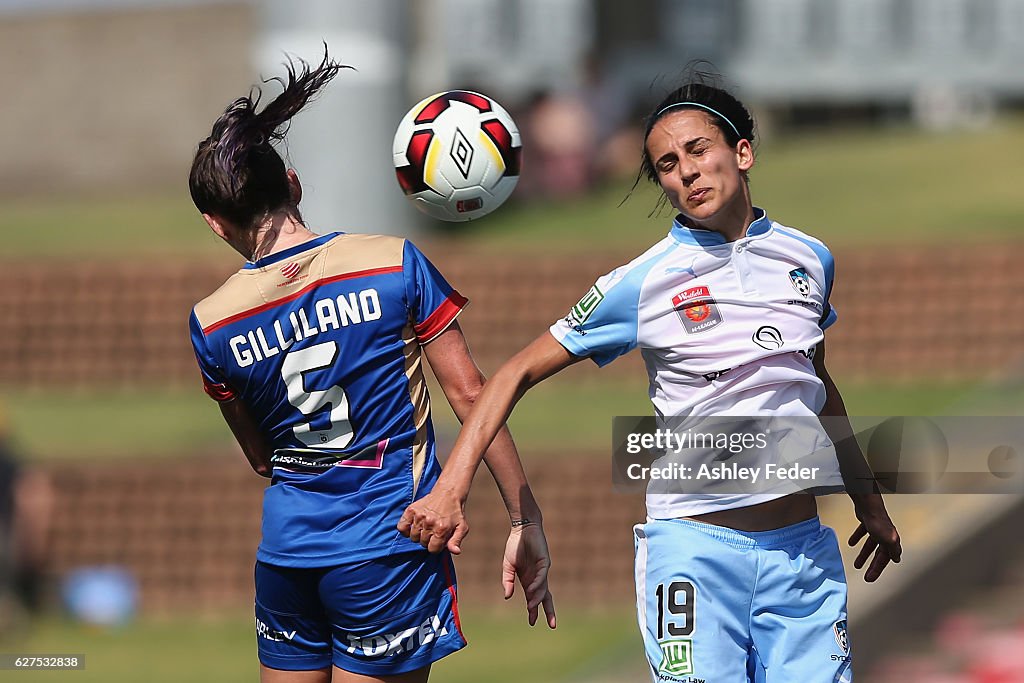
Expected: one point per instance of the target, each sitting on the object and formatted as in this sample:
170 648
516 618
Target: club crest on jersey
842 639
697 309
801 283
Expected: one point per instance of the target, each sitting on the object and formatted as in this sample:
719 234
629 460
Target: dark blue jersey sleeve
433 304
213 379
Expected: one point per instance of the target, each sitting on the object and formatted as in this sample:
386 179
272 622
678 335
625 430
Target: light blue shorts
727 606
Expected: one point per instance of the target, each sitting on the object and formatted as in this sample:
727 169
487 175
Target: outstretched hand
527 557
436 521
880 537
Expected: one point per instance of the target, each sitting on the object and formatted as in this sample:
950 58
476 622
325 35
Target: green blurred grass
182 649
852 187
554 417
147 421
502 649
132 226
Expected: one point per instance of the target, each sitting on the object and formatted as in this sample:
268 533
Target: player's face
700 173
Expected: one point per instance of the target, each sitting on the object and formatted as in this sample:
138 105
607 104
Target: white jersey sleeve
604 324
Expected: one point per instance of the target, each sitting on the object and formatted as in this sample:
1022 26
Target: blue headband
702 106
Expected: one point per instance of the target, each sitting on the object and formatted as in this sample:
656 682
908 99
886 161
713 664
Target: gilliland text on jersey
330 313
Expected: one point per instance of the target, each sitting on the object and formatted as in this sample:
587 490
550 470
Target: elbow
519 373
465 395
259 461
469 394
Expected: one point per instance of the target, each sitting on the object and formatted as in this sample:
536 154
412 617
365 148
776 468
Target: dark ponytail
236 173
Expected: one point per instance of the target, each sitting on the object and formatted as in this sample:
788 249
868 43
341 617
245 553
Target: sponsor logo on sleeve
579 313
697 309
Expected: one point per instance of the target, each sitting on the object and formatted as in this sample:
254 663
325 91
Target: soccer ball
457 155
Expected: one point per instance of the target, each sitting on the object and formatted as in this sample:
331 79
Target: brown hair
236 172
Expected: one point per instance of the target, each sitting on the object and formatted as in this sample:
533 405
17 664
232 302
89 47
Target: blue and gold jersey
322 343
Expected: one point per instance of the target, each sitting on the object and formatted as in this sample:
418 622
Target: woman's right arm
434 519
250 437
526 551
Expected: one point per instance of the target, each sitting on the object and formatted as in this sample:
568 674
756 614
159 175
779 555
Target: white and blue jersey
729 329
322 344
724 328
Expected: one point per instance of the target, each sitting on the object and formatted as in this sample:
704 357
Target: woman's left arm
882 539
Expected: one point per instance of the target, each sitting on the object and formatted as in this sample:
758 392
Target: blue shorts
377 618
732 606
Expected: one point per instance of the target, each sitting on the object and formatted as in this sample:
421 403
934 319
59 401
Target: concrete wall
111 100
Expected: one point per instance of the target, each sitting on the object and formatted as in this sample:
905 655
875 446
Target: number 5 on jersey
297 363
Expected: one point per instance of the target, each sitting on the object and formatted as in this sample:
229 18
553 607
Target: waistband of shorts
773 538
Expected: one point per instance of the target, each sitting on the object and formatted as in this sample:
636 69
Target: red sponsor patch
697 309
290 270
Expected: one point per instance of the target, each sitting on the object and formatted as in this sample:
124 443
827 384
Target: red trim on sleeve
218 392
441 318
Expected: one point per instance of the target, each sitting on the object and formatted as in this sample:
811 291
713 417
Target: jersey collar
290 252
699 237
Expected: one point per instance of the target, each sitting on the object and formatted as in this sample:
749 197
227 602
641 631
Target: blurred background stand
26 520
340 146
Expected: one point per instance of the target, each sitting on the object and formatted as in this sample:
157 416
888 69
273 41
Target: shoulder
616 295
358 255
633 274
798 239
806 238
221 303
380 249
810 251
367 241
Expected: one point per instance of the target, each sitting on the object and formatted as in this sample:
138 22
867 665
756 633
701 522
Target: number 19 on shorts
675 609
676 612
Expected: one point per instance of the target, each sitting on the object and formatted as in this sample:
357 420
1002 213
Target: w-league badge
697 309
801 283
